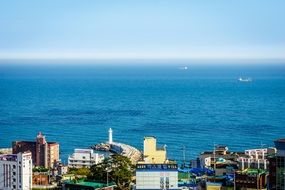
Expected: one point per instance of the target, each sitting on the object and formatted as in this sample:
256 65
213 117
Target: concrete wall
151 154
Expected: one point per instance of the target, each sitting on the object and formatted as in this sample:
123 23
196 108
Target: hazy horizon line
134 62
183 54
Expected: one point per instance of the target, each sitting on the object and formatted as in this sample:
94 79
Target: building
59 169
155 171
220 159
41 179
195 163
84 158
6 151
277 166
156 176
220 152
152 154
255 158
251 179
86 185
16 171
213 186
43 153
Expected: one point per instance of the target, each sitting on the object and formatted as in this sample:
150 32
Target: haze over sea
195 107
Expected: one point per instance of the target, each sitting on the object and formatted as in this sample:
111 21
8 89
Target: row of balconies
76 160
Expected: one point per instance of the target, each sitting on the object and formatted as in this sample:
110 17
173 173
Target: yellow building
213 186
152 154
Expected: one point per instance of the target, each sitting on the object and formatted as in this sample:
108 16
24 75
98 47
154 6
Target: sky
142 29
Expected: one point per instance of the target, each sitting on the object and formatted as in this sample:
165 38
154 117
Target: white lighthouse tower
110 136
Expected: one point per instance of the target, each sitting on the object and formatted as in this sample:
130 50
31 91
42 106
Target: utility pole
107 171
214 162
184 155
234 180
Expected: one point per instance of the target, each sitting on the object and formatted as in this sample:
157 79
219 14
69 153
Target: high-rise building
84 158
277 167
44 153
16 171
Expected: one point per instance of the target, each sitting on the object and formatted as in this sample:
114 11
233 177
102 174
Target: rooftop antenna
262 145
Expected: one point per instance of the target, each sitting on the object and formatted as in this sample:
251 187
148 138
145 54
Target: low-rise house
213 186
220 159
251 179
41 179
84 158
6 151
86 185
255 158
207 158
59 169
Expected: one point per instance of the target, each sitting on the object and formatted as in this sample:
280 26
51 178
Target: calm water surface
196 107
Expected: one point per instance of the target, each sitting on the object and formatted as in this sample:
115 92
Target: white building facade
84 158
16 171
156 176
255 158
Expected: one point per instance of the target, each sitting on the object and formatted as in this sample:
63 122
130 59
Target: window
161 182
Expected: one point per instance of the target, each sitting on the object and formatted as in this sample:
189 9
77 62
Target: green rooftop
182 175
253 171
88 183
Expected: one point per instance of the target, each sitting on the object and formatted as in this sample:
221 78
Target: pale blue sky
142 29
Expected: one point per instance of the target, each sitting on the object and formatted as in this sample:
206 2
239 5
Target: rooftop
33 142
78 150
280 140
252 171
88 183
214 184
149 137
8 157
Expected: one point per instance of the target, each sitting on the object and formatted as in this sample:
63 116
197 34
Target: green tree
117 168
80 171
40 169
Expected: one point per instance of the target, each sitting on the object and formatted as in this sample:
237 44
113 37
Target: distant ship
241 79
183 68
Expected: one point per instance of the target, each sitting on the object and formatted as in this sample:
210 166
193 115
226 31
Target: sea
186 105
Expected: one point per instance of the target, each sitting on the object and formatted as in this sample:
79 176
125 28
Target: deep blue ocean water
197 107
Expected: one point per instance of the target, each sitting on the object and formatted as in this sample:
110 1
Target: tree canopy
79 171
40 169
119 169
